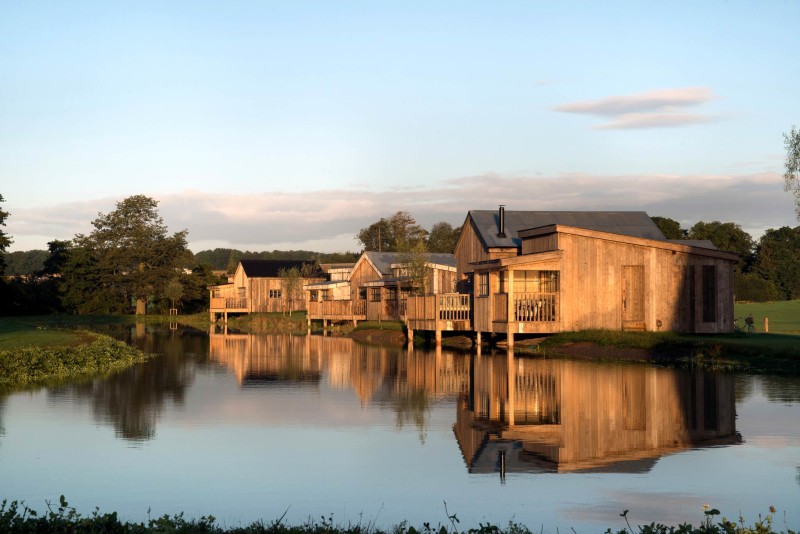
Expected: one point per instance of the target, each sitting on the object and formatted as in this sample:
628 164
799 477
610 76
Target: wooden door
633 297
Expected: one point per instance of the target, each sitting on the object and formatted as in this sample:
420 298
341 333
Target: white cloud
652 109
327 220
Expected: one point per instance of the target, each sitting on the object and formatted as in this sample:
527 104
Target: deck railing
536 307
337 308
222 303
527 307
454 307
442 307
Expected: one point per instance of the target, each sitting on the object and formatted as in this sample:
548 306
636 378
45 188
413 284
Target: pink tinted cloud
651 109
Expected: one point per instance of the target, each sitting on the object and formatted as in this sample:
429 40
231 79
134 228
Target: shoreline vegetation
49 356
16 516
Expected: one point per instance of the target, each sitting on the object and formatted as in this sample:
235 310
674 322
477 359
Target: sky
263 125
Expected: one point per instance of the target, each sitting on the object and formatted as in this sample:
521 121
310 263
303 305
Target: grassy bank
16 517
784 316
53 348
758 353
33 365
270 323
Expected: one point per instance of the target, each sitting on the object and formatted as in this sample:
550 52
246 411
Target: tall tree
5 239
670 228
129 254
792 175
443 238
58 252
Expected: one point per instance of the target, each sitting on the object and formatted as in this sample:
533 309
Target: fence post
766 325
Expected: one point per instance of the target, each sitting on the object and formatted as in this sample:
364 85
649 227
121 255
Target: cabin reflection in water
376 374
532 415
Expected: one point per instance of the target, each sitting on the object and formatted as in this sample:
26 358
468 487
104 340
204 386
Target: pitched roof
383 260
272 268
630 223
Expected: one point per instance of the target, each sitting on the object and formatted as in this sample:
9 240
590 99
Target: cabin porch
524 313
226 305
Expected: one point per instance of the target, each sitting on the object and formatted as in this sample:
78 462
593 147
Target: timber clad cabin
546 272
377 287
258 287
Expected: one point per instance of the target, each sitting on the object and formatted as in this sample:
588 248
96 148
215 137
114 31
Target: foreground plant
764 525
16 517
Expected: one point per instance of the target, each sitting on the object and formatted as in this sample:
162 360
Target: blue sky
262 125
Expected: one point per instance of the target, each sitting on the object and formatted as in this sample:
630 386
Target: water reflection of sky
318 447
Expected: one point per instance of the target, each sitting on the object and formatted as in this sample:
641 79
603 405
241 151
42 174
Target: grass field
784 316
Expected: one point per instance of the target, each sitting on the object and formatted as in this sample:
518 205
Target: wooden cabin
534 415
258 287
546 272
377 287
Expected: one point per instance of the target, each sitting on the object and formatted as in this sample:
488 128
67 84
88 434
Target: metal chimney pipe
501 221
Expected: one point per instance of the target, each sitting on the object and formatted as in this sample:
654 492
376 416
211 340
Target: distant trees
228 258
443 238
401 232
390 235
670 228
791 175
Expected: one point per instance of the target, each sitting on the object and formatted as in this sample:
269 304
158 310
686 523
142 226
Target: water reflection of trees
406 382
133 400
544 415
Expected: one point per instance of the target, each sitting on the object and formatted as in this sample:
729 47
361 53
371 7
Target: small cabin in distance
546 272
378 287
258 287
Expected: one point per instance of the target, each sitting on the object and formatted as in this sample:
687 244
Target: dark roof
383 260
701 243
272 268
629 223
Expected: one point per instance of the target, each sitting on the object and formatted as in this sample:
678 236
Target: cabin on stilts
530 272
378 286
264 286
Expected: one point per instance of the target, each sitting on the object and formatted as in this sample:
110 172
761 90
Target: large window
483 284
709 293
535 282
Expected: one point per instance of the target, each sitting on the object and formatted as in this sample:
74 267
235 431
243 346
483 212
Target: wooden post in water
766 325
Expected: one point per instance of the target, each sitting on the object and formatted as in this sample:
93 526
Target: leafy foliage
670 228
778 260
38 365
727 236
128 255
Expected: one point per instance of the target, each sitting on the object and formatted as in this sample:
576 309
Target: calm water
247 427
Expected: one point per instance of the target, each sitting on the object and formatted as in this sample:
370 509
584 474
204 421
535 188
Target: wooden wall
592 286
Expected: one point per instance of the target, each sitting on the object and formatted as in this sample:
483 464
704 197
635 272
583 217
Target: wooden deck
226 305
528 313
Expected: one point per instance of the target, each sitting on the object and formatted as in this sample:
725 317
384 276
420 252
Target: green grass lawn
784 316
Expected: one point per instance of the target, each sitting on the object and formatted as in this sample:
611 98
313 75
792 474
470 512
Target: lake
248 427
